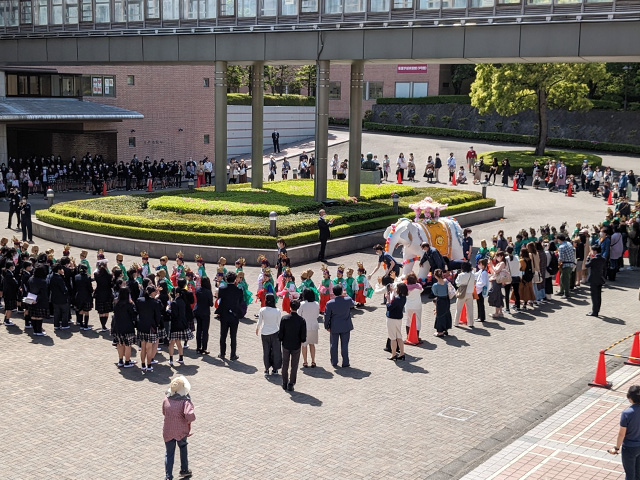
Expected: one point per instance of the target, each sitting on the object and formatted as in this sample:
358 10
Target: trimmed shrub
524 159
273 100
439 99
605 105
504 137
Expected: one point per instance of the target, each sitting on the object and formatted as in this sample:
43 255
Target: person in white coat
413 305
466 280
309 310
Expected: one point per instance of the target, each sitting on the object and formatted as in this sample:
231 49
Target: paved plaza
483 395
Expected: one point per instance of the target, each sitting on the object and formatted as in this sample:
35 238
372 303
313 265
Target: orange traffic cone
634 356
399 177
569 191
104 188
610 198
453 179
463 314
515 184
601 374
556 281
412 337
149 186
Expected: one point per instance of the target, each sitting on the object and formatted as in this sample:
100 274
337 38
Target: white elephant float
445 234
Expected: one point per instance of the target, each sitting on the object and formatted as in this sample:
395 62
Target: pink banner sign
412 69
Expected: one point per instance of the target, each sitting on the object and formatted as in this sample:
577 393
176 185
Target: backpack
552 268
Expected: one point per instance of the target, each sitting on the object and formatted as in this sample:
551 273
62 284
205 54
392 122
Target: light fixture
410 24
579 18
180 130
386 24
337 26
462 22
436 22
133 131
361 25
548 18
519 19
489 21
251 28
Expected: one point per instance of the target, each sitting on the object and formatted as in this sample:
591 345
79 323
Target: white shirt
451 162
414 299
208 166
401 162
310 311
482 280
268 320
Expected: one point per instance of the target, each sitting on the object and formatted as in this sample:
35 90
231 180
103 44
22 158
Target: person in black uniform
149 325
14 205
275 136
25 219
325 234
10 290
229 308
83 297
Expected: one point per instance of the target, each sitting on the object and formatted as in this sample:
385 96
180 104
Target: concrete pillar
355 126
4 154
322 130
220 113
257 124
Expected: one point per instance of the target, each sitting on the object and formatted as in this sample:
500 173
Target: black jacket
204 299
124 318
178 318
396 307
83 289
325 232
134 288
39 287
293 331
103 292
58 292
10 285
597 270
229 305
149 314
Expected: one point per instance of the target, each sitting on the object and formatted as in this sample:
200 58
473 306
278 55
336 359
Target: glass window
12 85
190 9
489 3
71 11
400 4
87 10
96 86
153 8
208 9
42 12
247 8
170 9
206 139
379 5
56 12
420 89
289 7
9 13
308 6
268 8
131 80
132 141
134 11
503 2
109 86
86 85
334 90
25 11
205 82
34 85
429 5
372 90
103 15
227 8
354 6
333 6
403 89
68 87
454 3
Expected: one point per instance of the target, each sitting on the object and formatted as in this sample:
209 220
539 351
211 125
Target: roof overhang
27 109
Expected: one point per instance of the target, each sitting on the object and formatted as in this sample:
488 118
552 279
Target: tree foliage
460 73
512 88
306 76
237 77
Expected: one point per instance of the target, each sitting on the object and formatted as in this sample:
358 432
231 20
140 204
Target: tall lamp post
626 77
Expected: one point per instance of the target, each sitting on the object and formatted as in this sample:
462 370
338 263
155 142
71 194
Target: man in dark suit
597 266
275 136
229 309
292 334
337 321
325 234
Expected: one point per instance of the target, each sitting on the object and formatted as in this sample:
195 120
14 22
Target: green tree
306 76
460 73
277 77
237 76
512 88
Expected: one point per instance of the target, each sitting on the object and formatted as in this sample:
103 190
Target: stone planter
370 176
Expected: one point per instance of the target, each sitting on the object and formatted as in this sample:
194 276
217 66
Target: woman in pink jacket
178 415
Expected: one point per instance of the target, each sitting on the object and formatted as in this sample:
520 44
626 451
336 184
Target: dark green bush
606 105
273 100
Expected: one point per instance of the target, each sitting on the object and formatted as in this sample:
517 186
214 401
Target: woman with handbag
500 276
442 294
537 276
464 295
513 262
394 320
542 259
482 287
526 285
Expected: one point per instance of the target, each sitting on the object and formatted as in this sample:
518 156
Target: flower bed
137 216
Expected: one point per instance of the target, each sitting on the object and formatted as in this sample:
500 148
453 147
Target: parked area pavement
508 399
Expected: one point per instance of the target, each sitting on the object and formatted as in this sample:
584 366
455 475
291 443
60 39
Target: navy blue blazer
337 315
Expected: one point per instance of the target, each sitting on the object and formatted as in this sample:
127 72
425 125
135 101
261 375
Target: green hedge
606 105
524 159
504 137
273 100
439 99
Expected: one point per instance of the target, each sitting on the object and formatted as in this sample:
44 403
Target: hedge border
236 240
286 100
504 137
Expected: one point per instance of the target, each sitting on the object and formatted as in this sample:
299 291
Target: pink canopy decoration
427 207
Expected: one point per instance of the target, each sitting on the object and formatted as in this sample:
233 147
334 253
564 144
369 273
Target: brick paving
71 413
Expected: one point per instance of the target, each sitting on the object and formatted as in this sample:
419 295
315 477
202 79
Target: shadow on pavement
354 373
318 372
304 398
614 320
455 341
409 366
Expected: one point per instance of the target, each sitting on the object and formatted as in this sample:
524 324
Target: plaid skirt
85 307
126 339
149 337
10 304
104 307
38 312
184 335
